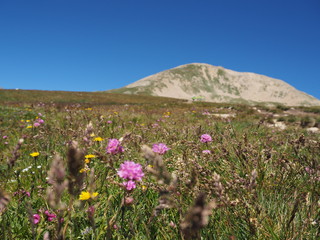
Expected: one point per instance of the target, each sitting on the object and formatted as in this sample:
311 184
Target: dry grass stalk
87 134
75 164
57 179
46 236
15 153
158 168
160 171
57 175
4 201
196 218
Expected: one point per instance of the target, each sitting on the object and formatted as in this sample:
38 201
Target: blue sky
99 45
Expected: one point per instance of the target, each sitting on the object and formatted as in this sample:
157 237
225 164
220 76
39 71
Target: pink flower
205 113
205 138
206 152
36 218
129 185
114 147
131 171
39 120
160 148
172 224
128 200
155 125
50 216
91 211
109 122
36 124
5 137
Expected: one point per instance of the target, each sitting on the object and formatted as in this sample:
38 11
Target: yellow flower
21 120
27 121
144 187
87 195
29 126
89 109
98 139
84 196
90 156
85 169
92 135
87 160
34 154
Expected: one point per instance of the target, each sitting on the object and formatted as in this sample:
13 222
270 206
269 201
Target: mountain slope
217 84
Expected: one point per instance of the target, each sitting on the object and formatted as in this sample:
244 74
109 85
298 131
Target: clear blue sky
91 45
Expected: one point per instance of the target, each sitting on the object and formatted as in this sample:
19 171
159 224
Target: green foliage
221 72
282 107
307 121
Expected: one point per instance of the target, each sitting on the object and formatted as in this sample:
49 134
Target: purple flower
114 146
50 216
131 171
205 138
206 152
129 185
36 218
160 148
5 137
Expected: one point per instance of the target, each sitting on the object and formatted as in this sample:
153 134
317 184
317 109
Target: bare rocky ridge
217 84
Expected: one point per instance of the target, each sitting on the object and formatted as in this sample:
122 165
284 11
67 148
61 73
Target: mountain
217 84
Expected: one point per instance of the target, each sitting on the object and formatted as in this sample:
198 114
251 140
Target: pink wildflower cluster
205 113
22 192
160 148
50 216
206 152
38 122
114 147
5 137
205 138
36 218
130 171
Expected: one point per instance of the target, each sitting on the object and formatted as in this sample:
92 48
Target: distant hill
216 84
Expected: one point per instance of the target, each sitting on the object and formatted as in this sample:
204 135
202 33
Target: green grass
265 182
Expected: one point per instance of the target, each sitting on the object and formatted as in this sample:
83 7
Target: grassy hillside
60 97
251 180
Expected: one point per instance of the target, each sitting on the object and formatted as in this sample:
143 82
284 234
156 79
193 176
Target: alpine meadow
80 165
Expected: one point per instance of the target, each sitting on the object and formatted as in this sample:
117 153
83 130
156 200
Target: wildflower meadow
125 167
